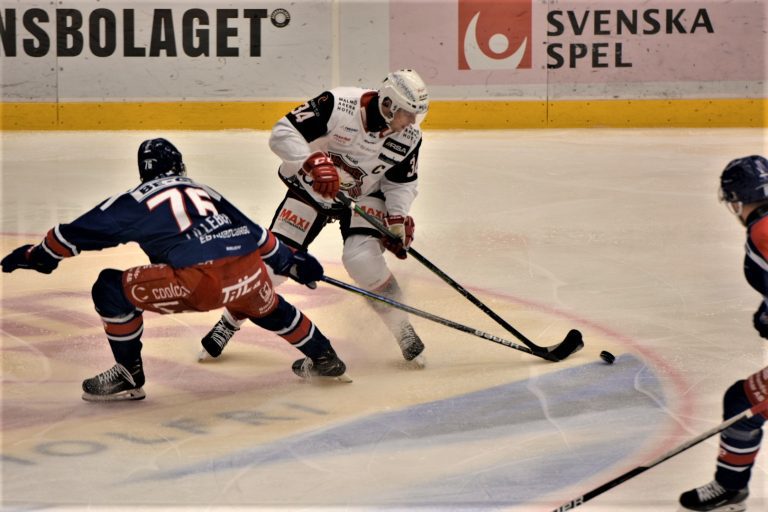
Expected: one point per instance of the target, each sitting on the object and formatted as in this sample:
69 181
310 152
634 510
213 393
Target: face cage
735 207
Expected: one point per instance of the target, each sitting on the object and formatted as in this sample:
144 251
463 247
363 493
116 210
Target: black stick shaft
757 409
376 223
428 316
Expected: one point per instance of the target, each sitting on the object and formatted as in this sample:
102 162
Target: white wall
652 49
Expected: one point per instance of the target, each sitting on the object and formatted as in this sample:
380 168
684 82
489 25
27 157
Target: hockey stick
434 318
572 343
754 411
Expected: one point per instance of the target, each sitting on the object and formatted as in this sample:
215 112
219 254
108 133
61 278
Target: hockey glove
760 320
31 257
298 265
325 177
403 228
305 269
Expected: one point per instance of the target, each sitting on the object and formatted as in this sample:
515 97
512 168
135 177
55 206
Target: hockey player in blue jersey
744 188
204 253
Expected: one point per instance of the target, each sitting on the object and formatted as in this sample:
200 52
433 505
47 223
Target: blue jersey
173 219
755 263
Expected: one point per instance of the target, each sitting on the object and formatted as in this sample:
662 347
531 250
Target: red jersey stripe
124 329
54 245
300 332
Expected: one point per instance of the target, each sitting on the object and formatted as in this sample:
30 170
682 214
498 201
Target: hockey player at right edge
744 188
364 143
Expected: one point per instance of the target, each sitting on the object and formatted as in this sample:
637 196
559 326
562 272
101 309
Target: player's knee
364 261
108 296
735 402
735 399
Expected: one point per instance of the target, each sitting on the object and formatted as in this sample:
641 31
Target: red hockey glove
403 228
324 174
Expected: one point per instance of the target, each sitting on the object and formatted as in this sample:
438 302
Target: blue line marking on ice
537 430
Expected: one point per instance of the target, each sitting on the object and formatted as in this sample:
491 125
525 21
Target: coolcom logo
495 34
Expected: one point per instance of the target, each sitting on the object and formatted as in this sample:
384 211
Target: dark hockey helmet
158 158
745 180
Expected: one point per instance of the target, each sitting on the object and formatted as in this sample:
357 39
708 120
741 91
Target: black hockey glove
30 257
305 269
760 320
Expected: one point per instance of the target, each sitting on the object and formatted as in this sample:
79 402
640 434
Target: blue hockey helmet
158 158
745 180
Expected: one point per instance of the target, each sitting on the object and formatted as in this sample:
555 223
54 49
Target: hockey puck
607 357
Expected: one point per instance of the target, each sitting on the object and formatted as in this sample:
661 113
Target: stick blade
573 342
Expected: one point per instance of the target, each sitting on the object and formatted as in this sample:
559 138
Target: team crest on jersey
353 188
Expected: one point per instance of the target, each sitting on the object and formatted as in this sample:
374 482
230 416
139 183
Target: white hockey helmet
405 90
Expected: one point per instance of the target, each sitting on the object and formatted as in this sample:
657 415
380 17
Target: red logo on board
495 34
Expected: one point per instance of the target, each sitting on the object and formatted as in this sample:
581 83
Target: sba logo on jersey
495 34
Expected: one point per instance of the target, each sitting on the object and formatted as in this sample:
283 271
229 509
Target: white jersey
372 160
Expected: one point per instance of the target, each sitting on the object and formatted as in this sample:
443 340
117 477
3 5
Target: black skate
411 345
216 339
117 383
712 497
326 365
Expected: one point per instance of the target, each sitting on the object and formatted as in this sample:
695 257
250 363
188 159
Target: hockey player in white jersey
364 143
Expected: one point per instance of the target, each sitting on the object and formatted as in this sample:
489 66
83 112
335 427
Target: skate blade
204 356
735 507
132 394
322 378
339 378
419 361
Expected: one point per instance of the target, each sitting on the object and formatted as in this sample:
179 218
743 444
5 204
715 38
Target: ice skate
117 383
216 339
327 365
411 345
712 497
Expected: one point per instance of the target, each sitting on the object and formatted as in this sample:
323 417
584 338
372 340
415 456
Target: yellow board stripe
700 113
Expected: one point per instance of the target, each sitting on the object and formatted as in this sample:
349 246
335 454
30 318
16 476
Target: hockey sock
740 443
393 318
294 327
232 320
124 335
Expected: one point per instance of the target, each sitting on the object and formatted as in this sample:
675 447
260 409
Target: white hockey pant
363 259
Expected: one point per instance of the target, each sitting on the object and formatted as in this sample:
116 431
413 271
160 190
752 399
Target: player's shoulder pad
758 235
411 135
347 99
323 104
405 141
